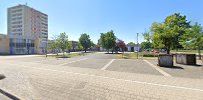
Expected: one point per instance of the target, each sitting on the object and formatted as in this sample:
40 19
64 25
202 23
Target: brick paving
45 81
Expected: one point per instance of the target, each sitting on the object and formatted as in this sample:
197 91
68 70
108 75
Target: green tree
166 35
108 40
102 40
146 45
92 44
193 39
62 41
80 47
52 45
147 36
70 45
85 41
131 43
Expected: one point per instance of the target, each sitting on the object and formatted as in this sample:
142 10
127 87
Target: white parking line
72 61
118 79
107 65
158 69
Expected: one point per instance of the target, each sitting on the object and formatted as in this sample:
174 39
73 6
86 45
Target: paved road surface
93 77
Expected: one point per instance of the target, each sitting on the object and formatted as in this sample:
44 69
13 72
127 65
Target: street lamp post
46 46
137 45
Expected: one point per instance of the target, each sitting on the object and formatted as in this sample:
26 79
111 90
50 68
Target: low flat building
74 46
133 48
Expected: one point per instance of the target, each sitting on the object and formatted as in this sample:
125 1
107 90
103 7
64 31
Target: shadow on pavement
174 67
197 65
12 97
113 53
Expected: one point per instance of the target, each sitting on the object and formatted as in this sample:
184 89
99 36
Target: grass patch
186 51
68 55
134 56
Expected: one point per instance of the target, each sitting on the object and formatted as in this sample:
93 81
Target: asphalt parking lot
103 61
98 76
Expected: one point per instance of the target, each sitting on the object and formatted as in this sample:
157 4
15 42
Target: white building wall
34 26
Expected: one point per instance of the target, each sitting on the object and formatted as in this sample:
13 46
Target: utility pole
46 46
137 45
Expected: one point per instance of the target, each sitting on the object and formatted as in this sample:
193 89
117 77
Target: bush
150 55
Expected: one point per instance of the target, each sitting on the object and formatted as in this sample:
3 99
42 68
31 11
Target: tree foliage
80 46
62 41
146 45
193 39
147 36
53 46
131 44
120 44
85 41
166 35
108 40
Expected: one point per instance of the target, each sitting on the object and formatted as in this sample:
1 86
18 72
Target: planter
165 60
186 59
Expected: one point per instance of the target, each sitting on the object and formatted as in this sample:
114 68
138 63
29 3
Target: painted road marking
158 69
107 65
73 61
118 79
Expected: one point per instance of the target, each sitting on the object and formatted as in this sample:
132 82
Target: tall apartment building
27 30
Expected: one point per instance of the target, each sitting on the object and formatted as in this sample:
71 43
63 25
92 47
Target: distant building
133 47
4 44
27 30
74 46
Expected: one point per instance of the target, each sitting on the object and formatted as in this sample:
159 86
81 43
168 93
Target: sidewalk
56 82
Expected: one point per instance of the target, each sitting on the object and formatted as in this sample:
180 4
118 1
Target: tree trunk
85 50
199 53
168 51
63 54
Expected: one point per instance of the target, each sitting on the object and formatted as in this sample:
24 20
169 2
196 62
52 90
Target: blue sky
125 17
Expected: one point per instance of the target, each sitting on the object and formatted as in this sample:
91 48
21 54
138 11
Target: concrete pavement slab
132 66
90 63
56 84
186 71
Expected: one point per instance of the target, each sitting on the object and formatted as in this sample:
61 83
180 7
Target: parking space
111 62
97 76
132 66
57 61
186 71
90 63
